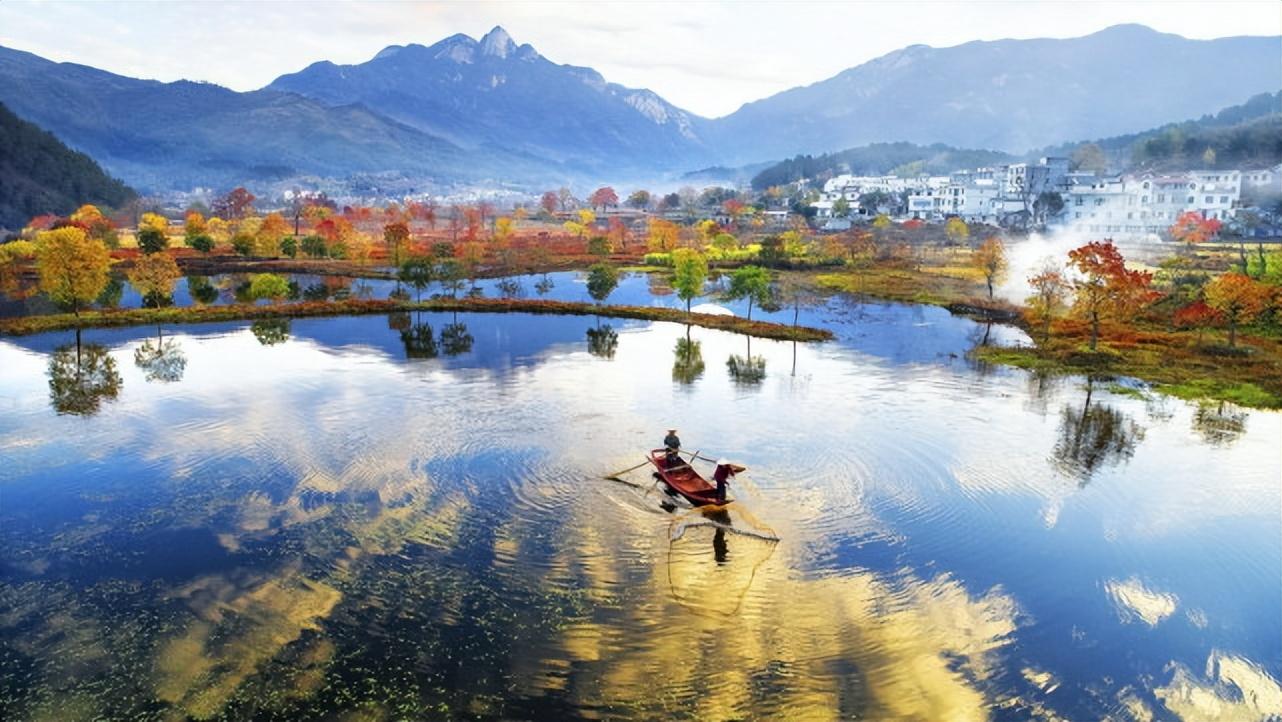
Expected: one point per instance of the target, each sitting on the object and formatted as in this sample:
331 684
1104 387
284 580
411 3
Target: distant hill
878 159
492 91
495 113
38 175
1009 95
1248 135
179 135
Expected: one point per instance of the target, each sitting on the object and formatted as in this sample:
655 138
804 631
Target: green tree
602 280
289 246
152 240
752 283
202 242
314 246
689 272
73 268
451 274
841 207
416 272
269 286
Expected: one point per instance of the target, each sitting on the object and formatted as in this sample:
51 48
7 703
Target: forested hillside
38 174
896 158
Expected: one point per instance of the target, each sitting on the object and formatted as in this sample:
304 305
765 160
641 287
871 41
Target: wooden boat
683 479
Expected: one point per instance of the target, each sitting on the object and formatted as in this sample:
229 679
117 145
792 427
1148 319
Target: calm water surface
362 518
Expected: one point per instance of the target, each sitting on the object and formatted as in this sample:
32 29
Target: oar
617 474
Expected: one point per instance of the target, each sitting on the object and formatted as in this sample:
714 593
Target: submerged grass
205 314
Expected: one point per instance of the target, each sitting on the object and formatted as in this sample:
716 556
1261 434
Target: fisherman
722 476
672 445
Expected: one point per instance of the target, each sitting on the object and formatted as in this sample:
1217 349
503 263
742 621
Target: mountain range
492 112
38 174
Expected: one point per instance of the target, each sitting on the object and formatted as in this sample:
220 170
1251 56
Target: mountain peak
497 43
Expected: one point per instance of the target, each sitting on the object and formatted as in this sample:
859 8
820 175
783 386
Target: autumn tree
689 271
956 231
549 202
96 225
270 232
1191 228
236 204
990 260
752 283
1196 315
1239 297
1106 288
396 235
603 198
662 236
617 232
73 268
580 227
639 199
154 276
1050 290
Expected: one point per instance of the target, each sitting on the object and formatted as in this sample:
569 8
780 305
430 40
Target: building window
1144 199
1224 199
1161 197
1077 215
1192 200
1077 201
1210 199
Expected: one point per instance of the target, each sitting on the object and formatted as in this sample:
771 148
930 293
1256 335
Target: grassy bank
1249 375
207 314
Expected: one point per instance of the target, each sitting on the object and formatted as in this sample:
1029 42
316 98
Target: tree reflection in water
747 370
544 285
398 320
687 363
81 376
161 359
1094 436
1219 423
201 290
603 341
419 341
455 339
271 331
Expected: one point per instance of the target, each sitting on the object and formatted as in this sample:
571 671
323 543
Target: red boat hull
684 480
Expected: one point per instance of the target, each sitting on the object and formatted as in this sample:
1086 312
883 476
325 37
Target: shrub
201 242
151 240
658 259
289 246
268 285
314 246
243 243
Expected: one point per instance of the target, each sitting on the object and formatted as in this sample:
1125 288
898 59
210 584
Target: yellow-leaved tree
73 267
153 275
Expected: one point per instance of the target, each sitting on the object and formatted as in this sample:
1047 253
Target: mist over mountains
490 111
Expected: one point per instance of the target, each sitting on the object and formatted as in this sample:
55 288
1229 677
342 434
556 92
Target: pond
405 517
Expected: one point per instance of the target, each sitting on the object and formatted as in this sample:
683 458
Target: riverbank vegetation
26 325
1202 315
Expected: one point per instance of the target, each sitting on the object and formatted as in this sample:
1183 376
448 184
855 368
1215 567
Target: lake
405 517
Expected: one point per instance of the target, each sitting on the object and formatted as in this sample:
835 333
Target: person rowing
672 447
723 475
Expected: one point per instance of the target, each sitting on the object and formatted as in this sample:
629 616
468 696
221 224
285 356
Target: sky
706 57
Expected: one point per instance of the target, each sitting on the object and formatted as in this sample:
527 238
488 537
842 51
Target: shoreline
29 325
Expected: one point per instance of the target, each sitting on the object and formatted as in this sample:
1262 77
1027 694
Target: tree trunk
1094 329
1232 330
749 308
990 287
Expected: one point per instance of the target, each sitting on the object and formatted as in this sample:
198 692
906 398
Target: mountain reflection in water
321 521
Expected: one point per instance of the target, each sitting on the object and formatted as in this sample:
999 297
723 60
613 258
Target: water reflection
161 359
747 370
81 377
603 341
455 338
263 549
687 362
1093 435
271 331
202 290
1220 423
419 341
